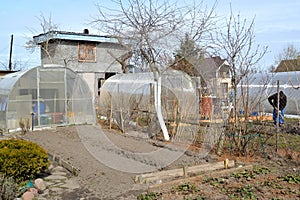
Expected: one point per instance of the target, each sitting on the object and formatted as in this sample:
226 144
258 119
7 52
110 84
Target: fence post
277 119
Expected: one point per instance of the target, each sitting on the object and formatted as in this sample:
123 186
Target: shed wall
66 53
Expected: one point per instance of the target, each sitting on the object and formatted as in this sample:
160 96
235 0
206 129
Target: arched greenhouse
43 96
261 85
150 103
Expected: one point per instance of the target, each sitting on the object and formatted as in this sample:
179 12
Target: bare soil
274 177
99 181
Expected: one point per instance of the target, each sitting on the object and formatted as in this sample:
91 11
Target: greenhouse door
51 93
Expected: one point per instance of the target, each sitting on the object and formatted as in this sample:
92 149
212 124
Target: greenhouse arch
44 96
132 101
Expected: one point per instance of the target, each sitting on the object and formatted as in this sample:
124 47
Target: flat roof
72 36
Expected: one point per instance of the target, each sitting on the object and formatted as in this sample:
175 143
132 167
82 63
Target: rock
27 195
39 184
34 191
58 168
51 167
56 177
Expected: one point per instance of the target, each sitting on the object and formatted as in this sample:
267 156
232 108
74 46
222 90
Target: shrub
22 160
8 188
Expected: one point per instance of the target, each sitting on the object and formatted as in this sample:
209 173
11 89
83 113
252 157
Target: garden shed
43 96
168 102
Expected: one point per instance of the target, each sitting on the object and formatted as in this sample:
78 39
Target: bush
8 188
22 160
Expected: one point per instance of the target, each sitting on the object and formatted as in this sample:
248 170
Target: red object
206 107
57 118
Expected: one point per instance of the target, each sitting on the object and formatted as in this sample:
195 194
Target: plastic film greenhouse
260 86
168 103
43 96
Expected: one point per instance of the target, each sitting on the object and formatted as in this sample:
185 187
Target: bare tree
47 25
142 24
151 29
237 43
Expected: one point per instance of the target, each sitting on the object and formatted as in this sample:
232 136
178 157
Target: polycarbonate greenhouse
142 101
261 85
43 96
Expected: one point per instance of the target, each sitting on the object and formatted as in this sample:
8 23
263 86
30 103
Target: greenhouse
44 96
261 85
152 103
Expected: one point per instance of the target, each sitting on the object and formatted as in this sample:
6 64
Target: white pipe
157 102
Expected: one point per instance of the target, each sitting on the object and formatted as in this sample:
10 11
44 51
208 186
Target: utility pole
10 53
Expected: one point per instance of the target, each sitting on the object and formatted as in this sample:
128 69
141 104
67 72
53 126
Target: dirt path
108 161
101 180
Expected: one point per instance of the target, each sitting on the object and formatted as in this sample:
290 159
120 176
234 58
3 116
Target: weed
291 179
150 196
246 192
261 170
187 188
217 181
250 174
196 198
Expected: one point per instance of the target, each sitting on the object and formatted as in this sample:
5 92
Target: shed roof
72 36
289 65
206 67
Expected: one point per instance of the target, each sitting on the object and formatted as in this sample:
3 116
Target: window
87 52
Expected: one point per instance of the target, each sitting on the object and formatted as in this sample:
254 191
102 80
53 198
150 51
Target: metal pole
38 96
66 119
277 113
32 121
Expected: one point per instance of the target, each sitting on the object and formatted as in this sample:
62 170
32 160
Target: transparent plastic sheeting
128 100
56 95
261 85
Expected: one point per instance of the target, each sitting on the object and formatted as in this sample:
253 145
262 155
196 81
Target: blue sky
277 23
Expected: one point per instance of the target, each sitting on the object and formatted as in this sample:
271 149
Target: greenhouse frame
44 96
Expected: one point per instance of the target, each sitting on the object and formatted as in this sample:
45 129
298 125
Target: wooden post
185 174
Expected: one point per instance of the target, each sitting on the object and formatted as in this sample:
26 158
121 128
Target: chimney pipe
86 31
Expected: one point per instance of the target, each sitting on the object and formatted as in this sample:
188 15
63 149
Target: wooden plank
145 178
208 167
181 172
214 174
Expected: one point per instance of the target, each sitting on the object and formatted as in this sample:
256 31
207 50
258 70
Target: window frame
84 49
